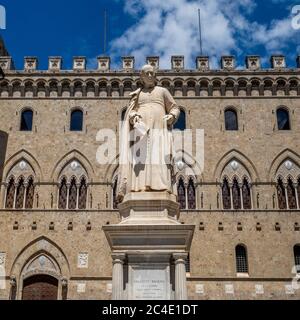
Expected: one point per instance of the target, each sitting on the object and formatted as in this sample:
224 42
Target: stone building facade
55 196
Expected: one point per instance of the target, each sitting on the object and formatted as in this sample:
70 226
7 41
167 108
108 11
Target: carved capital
118 258
180 257
13 281
64 282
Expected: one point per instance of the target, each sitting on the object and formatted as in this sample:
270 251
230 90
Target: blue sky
141 27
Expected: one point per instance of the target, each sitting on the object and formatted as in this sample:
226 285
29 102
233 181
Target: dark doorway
40 287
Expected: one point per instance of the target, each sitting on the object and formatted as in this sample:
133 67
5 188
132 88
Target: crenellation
55 64
30 64
128 63
278 62
253 63
177 63
6 63
153 61
79 63
202 63
228 63
103 63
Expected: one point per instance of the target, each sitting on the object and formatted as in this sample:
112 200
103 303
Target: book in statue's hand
141 128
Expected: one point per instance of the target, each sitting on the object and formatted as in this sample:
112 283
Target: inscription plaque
150 282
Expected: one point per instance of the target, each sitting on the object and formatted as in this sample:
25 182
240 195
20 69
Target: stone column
180 276
25 195
231 195
286 196
296 195
68 190
77 195
241 195
117 276
15 196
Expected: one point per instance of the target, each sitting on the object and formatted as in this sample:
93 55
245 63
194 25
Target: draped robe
146 160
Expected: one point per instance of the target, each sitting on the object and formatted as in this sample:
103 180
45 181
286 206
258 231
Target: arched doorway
40 287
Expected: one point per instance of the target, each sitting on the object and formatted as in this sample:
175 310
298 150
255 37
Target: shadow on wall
3 147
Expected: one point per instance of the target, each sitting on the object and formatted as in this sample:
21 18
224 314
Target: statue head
148 76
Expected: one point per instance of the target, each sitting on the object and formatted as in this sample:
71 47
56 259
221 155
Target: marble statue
146 153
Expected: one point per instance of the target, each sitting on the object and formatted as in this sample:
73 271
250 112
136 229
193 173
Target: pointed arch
40 246
73 155
112 169
285 154
29 158
240 157
192 167
82 194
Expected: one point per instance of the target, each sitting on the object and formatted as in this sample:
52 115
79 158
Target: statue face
148 76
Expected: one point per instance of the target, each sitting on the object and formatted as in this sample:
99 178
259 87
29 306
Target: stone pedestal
149 248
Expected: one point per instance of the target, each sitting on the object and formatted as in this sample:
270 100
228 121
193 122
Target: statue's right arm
133 115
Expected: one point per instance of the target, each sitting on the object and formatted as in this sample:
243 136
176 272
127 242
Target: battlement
202 81
202 64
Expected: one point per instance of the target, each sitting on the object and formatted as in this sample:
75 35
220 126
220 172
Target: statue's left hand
169 118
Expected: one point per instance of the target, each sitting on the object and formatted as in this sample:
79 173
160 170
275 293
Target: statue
146 153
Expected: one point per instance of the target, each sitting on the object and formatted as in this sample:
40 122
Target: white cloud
170 27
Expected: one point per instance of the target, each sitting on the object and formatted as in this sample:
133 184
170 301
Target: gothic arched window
63 190
10 194
181 122
20 194
191 193
26 120
115 202
73 194
297 257
236 195
231 120
241 259
82 197
246 192
291 193
181 194
281 195
226 195
283 119
123 114
76 120
298 189
29 194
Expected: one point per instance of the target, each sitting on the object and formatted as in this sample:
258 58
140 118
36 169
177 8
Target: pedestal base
149 208
149 248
